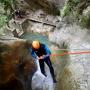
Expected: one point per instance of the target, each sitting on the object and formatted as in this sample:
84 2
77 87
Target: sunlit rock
86 12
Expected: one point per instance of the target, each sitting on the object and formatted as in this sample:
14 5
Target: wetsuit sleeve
48 52
33 53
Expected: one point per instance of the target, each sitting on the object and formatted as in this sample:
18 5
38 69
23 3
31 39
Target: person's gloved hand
42 57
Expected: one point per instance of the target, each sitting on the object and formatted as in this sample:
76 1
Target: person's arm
48 52
33 53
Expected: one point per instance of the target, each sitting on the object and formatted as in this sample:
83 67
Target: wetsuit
44 50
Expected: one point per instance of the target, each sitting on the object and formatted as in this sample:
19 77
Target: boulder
16 65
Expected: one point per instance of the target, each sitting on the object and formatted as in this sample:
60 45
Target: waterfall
39 81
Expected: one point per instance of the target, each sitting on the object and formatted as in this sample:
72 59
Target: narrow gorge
63 25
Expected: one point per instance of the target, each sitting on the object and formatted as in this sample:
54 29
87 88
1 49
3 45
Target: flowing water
36 36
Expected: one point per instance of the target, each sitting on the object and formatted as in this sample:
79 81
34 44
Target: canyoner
41 52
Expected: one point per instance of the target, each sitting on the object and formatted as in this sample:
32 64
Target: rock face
40 17
34 22
86 12
16 65
75 75
49 6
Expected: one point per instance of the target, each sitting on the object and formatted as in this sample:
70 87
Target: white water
40 82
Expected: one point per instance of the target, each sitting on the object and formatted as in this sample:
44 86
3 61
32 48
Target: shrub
69 7
85 21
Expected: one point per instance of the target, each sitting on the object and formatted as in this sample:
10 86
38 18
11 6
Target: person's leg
48 62
41 63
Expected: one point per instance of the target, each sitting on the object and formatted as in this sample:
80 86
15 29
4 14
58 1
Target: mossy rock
71 76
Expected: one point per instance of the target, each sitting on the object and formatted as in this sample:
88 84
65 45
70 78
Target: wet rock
86 12
40 82
74 74
16 65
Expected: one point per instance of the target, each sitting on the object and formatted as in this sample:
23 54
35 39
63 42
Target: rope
65 53
71 49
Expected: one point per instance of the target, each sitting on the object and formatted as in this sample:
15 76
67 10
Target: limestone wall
75 74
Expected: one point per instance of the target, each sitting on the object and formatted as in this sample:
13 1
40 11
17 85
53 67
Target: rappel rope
75 52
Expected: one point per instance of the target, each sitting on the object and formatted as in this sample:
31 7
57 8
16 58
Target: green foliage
7 5
3 20
85 21
74 2
66 10
76 8
69 7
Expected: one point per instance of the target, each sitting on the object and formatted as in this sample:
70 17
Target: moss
76 8
65 11
85 21
67 73
3 20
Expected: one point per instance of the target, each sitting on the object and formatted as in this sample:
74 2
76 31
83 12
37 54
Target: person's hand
41 57
38 57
